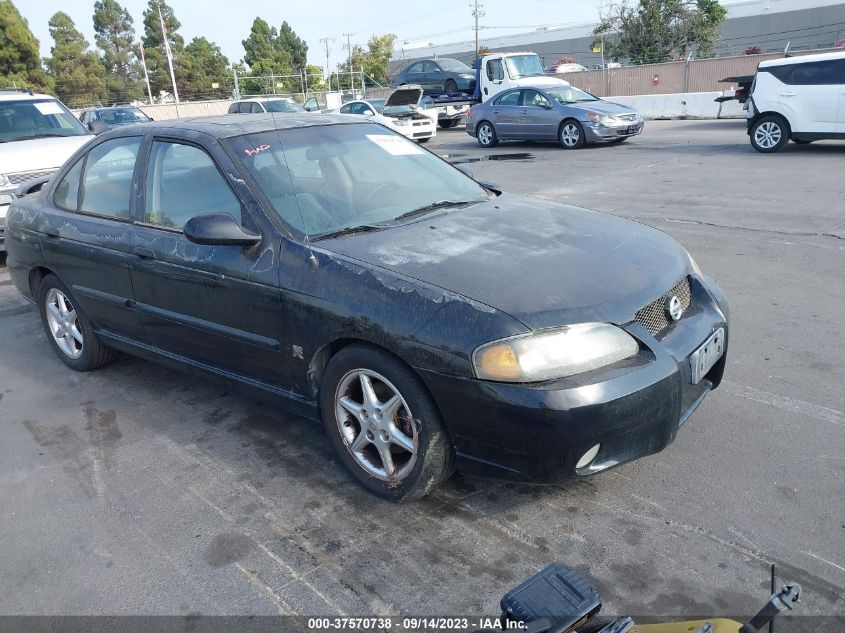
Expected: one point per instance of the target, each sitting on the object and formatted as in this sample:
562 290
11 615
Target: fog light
588 457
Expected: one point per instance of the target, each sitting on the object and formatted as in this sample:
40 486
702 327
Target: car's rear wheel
450 87
486 134
68 330
571 134
769 134
383 424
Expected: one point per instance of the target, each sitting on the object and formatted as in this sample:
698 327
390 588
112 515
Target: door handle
787 94
51 233
144 253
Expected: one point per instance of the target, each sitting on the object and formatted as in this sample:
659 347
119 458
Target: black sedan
358 279
436 76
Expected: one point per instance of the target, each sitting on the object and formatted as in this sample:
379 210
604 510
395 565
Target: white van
37 135
797 98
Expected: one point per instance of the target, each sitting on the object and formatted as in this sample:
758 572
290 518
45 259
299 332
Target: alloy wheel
570 135
376 425
485 134
64 323
768 134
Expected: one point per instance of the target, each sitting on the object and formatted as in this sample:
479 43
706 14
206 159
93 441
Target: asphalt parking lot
138 490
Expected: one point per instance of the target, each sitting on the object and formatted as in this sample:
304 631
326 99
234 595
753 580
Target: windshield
453 66
119 116
378 104
570 94
283 105
328 178
524 66
34 118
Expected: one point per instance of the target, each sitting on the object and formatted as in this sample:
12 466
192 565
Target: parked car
334 266
797 98
566 114
565 67
402 112
260 105
441 75
37 134
99 120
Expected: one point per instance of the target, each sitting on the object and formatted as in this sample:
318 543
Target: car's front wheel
486 134
383 424
572 134
769 134
68 330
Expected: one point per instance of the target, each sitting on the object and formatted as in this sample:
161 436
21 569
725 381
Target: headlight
553 353
4 180
601 118
401 122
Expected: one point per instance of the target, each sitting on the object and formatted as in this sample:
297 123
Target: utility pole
348 37
477 12
325 41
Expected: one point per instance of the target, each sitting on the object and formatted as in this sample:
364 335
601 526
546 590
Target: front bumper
632 409
600 132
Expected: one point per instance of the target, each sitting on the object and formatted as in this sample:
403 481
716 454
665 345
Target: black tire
435 457
479 135
447 123
93 353
424 140
571 134
450 87
769 134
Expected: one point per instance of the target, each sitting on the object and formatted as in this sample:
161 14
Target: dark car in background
99 120
565 114
441 75
350 275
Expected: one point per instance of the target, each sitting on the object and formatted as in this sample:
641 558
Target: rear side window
67 193
824 73
107 181
183 181
233 109
415 68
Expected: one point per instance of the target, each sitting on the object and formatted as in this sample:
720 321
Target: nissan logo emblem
674 308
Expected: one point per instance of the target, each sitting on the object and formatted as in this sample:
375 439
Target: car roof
802 59
230 125
264 99
18 95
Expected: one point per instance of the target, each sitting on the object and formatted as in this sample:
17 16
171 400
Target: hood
39 153
406 95
544 263
605 107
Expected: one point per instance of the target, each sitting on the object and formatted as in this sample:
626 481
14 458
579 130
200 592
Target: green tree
80 77
654 31
375 61
20 60
205 65
115 37
154 46
294 45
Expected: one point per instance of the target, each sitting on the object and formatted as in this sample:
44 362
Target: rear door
88 237
217 306
506 114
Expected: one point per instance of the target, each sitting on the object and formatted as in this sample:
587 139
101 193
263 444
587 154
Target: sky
227 23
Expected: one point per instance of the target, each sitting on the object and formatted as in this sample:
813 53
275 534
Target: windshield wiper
350 230
434 206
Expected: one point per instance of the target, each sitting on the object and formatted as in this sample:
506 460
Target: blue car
437 76
565 114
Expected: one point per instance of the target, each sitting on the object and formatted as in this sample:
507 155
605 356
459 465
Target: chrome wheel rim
64 323
376 425
485 134
570 135
768 135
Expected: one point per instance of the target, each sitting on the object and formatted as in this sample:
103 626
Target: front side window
182 182
328 178
495 71
106 185
826 73
431 67
533 99
37 118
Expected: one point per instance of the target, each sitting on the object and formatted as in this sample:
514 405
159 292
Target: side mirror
218 229
31 186
97 127
368 113
546 105
466 170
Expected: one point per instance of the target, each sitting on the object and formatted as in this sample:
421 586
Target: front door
811 93
218 306
89 237
538 120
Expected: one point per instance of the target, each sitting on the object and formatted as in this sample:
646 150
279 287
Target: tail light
469 112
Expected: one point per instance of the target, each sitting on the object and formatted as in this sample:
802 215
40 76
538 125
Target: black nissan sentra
356 278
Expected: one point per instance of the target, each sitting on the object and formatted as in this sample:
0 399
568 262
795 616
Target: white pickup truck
494 73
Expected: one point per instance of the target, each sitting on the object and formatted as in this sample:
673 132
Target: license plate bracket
707 355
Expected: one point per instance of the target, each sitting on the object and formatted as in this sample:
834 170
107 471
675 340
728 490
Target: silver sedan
566 114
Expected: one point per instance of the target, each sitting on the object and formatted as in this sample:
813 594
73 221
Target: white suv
797 98
37 135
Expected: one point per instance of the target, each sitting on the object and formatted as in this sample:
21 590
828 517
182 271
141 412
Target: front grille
653 317
23 176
